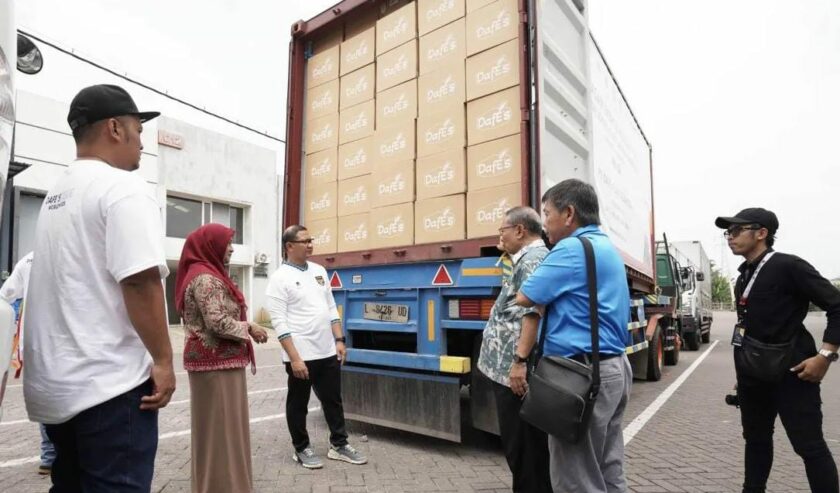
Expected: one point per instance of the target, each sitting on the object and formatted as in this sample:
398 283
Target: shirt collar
301 268
592 228
751 265
522 251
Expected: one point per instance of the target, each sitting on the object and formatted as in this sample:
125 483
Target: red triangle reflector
442 277
335 281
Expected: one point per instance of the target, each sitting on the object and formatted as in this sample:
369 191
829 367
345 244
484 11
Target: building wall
210 167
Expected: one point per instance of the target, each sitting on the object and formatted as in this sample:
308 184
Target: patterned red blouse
215 337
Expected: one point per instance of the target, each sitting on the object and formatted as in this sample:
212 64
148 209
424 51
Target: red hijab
204 253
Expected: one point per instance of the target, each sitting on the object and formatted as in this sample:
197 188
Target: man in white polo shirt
98 356
304 314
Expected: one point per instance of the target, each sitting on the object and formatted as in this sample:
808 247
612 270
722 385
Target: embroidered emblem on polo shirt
320 280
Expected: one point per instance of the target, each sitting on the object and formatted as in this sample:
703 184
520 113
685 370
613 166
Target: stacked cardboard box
413 125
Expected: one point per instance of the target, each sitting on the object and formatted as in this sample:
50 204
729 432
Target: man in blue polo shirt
596 463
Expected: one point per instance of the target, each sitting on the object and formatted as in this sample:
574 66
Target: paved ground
692 443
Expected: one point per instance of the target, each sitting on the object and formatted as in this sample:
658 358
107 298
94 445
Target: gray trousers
596 463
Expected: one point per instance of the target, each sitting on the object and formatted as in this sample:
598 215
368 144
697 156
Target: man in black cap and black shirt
98 356
776 360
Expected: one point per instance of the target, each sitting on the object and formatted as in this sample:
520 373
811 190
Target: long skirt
221 438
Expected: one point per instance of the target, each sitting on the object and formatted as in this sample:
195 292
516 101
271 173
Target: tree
721 289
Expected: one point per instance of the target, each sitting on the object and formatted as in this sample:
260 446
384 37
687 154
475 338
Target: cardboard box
388 7
492 25
322 100
432 14
356 158
358 51
397 66
494 163
324 235
320 202
354 233
397 104
358 87
439 219
443 46
327 41
473 5
394 143
320 168
322 67
440 132
396 28
354 196
357 122
392 184
392 226
493 70
321 133
487 209
442 89
493 116
361 20
441 174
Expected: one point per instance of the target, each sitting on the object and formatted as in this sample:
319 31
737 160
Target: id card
738 335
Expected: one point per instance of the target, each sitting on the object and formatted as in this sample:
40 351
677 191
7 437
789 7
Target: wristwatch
519 359
341 339
831 356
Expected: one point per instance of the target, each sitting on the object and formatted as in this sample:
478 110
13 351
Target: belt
586 358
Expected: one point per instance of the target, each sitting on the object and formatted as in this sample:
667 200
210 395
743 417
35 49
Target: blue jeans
109 447
47 448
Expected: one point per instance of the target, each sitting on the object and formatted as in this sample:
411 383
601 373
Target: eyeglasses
735 230
308 241
503 228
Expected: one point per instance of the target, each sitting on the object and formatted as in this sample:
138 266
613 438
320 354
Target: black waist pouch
763 361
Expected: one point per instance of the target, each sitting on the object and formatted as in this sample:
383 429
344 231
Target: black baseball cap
753 215
103 101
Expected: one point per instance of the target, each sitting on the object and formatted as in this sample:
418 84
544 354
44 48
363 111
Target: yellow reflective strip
482 271
454 364
340 309
430 320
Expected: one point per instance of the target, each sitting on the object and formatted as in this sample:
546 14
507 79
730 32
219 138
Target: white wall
216 167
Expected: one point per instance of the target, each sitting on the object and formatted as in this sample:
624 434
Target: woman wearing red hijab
217 350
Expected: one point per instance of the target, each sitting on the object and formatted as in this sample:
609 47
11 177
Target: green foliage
721 290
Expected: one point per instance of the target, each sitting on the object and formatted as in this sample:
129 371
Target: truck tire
707 336
672 357
656 356
692 340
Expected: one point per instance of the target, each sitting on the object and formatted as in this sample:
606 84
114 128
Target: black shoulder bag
561 391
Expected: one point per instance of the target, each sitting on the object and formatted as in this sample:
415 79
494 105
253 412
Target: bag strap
592 281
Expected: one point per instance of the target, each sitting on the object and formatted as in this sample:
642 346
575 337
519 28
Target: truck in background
415 280
696 311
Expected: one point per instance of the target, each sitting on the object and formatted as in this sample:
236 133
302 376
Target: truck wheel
672 357
707 336
692 341
656 356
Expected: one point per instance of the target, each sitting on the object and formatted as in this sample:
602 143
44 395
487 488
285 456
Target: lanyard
747 290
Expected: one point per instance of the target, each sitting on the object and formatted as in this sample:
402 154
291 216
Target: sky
739 100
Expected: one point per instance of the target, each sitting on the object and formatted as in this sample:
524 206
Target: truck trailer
696 315
412 126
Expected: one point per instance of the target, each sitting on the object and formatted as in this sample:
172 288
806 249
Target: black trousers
325 379
526 447
798 405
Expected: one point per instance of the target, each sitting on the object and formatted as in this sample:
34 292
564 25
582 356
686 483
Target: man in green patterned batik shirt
507 343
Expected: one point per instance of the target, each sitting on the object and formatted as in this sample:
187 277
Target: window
171 309
183 216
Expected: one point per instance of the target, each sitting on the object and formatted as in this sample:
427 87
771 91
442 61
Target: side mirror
685 273
701 277
29 58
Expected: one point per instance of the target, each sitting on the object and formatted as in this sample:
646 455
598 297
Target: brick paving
692 444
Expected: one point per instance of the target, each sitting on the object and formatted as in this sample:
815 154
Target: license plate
385 312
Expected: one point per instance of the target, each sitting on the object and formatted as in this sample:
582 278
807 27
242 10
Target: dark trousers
798 404
325 379
526 447
109 447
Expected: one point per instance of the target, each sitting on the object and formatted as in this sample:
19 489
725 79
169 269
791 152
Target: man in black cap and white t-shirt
776 360
98 356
